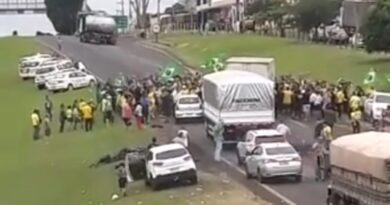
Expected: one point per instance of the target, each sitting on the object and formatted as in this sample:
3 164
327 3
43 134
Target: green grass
56 170
292 57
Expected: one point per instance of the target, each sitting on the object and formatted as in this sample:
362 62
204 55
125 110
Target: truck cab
254 138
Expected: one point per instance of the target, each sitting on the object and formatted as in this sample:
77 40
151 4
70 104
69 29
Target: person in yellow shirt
354 102
356 116
287 99
340 98
36 123
87 113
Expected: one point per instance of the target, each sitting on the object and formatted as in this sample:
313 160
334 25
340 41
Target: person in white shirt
182 137
139 116
316 101
284 130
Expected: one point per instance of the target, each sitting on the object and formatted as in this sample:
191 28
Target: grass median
292 57
55 170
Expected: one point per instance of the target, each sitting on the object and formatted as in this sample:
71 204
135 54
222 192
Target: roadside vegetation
292 56
55 170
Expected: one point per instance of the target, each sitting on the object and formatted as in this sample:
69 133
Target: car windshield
279 150
382 99
189 100
44 70
271 138
29 64
171 154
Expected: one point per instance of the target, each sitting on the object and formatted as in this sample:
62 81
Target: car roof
265 132
276 144
166 147
382 93
187 96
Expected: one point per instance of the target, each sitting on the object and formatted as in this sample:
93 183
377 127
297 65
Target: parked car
28 68
169 163
44 73
188 106
277 159
374 106
254 138
70 81
35 57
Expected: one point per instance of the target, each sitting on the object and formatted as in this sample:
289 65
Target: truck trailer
99 29
360 169
261 66
241 99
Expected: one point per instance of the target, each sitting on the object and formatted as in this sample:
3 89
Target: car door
82 79
253 159
73 79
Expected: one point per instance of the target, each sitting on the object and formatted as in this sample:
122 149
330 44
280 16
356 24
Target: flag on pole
169 72
370 77
214 64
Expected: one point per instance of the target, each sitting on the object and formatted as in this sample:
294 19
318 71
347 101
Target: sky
111 6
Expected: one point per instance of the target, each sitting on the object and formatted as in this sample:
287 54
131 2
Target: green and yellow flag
370 77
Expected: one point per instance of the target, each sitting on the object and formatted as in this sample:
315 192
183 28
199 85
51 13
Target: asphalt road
131 58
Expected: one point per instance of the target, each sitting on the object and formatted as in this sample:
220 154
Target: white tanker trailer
98 29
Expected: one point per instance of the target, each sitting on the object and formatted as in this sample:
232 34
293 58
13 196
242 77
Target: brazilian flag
169 72
370 77
214 64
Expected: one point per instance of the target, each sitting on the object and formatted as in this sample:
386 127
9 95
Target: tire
24 79
248 175
147 182
259 177
154 184
70 87
41 87
298 178
194 179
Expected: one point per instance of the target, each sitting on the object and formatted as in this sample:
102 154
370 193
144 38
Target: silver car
270 160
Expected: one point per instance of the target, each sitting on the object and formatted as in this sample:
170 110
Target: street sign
156 28
122 22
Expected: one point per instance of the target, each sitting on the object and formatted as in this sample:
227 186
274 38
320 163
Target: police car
70 81
169 163
36 56
50 71
28 69
188 106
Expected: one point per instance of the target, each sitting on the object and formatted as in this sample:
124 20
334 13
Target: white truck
262 66
242 100
360 169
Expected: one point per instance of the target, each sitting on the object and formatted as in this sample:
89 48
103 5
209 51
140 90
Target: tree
376 30
140 7
311 13
269 10
63 14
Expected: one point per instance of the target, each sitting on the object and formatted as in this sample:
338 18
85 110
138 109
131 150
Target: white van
43 73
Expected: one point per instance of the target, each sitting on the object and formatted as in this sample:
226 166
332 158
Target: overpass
27 7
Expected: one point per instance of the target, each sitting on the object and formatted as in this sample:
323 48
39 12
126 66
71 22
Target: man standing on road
284 130
63 118
36 123
49 107
59 42
218 137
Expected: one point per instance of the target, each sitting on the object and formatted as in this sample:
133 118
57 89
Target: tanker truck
360 169
99 29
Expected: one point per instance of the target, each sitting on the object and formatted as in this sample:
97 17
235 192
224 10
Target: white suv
169 163
374 106
188 106
28 68
44 73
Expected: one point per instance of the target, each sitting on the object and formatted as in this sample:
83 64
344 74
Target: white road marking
266 187
240 170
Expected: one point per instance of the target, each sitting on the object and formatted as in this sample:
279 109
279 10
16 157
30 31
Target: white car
27 68
169 163
374 106
44 73
70 81
188 106
269 160
35 57
254 138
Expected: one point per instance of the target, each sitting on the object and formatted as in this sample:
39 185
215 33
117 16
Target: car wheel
298 178
147 182
154 184
41 87
194 179
70 87
259 177
248 175
24 78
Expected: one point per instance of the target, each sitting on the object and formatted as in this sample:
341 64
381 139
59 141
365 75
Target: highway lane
131 58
